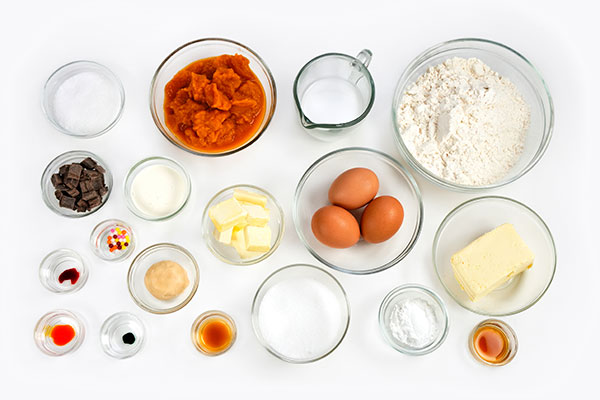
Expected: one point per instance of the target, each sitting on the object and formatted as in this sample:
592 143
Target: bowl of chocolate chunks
76 183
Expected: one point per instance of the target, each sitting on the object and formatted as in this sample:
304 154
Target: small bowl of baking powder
472 114
413 320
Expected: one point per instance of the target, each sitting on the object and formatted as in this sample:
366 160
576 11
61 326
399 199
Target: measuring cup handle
365 57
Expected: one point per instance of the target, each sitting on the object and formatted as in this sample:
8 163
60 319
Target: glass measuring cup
334 92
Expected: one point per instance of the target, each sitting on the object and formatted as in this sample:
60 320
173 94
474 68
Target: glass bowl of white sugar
413 320
472 114
83 99
300 313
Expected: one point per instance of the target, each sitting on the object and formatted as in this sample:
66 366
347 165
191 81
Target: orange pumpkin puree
215 104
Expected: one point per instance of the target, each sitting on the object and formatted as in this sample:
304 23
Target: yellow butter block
257 215
491 260
225 236
227 214
249 197
238 241
257 238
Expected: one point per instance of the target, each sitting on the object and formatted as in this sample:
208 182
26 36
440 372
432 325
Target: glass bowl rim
268 116
112 76
177 307
469 202
254 312
111 221
213 313
314 125
48 174
385 303
166 160
409 179
110 319
70 314
416 165
280 232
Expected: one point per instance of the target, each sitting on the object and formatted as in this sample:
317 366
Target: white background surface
558 336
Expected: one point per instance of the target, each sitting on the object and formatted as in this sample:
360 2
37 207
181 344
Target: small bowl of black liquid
122 335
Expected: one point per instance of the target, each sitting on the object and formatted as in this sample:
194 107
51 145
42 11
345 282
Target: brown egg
354 188
335 227
381 219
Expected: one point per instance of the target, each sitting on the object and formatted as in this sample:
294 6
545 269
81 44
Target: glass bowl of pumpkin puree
212 97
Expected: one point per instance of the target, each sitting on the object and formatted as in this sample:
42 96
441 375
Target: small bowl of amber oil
493 342
213 333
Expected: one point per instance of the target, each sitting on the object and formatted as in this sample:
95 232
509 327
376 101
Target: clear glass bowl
302 273
143 261
69 157
58 261
201 322
227 253
413 291
113 331
113 94
41 332
107 234
141 165
511 336
197 50
477 216
394 180
508 63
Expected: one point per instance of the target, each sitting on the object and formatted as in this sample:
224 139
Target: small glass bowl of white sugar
83 99
413 320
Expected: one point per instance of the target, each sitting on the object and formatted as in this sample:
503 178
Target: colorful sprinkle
117 240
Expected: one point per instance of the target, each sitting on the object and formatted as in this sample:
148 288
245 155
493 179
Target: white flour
464 122
413 323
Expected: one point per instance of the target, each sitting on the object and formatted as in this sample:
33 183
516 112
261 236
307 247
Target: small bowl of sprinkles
63 271
112 240
59 332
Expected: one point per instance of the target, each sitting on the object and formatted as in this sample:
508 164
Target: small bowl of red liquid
63 271
59 332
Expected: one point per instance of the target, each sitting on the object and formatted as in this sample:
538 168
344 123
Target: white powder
86 103
300 318
464 122
413 323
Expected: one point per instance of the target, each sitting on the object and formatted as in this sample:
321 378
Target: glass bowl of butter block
501 251
243 224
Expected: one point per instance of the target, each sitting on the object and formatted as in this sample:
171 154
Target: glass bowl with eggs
358 211
472 114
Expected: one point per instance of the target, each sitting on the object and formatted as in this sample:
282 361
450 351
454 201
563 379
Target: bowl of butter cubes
243 224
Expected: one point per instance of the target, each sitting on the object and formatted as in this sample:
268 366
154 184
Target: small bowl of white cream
157 188
413 320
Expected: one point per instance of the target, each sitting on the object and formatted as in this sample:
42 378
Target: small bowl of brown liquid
213 333
493 342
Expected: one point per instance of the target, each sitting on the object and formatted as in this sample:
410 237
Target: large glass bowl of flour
470 162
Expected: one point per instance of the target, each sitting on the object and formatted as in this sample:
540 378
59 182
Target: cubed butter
249 197
257 238
491 260
227 214
257 215
238 241
225 236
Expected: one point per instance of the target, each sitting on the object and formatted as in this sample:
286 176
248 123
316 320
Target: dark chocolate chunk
85 186
87 196
71 182
100 169
82 203
56 180
75 171
88 163
63 169
61 187
67 202
58 194
94 202
73 192
103 190
97 183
